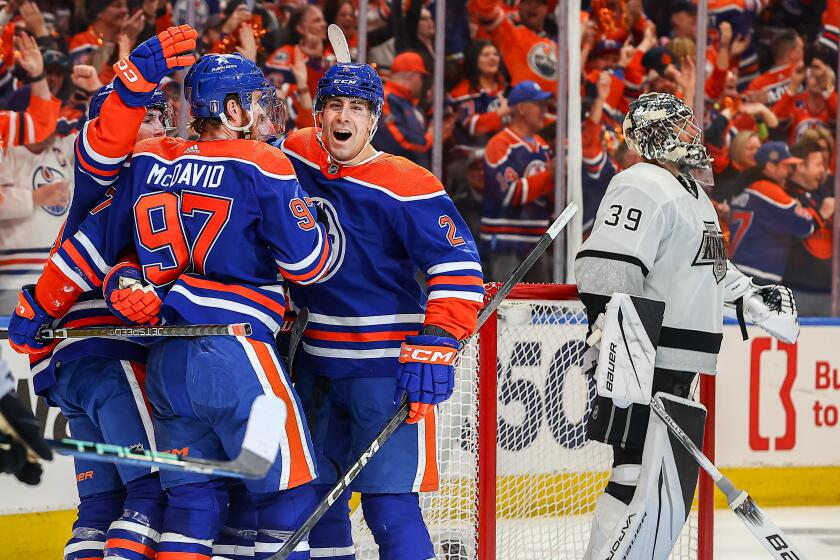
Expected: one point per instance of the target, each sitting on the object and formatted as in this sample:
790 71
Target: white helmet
656 127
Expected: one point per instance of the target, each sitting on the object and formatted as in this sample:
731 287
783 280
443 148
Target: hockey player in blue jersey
213 222
372 328
99 383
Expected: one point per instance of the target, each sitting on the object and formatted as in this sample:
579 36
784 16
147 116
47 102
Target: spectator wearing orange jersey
528 52
808 270
813 108
478 100
788 53
39 120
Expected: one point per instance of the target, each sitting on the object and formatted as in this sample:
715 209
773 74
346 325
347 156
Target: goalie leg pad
626 427
654 518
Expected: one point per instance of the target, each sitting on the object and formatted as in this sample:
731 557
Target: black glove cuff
434 330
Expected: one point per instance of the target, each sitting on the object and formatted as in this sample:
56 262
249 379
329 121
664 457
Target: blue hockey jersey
518 192
212 224
764 219
388 218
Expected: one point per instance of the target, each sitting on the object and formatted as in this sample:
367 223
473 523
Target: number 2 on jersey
451 235
159 217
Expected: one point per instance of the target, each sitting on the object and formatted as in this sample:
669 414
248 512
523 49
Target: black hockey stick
298 327
259 448
739 501
234 329
344 482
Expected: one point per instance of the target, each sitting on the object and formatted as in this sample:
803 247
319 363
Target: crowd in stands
769 84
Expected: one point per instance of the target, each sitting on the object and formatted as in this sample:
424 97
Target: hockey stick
767 533
344 482
339 44
234 329
259 448
301 321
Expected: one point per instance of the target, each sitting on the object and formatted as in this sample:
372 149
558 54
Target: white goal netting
548 474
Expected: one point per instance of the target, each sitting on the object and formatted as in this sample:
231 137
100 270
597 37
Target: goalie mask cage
518 477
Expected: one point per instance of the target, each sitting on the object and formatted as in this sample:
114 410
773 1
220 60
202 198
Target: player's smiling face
346 124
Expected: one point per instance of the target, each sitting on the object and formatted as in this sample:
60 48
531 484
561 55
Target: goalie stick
344 482
259 448
234 329
739 501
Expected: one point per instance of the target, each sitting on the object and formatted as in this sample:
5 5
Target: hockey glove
773 309
129 297
28 320
427 375
139 73
770 307
22 426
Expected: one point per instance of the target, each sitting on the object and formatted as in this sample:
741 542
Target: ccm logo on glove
127 73
427 354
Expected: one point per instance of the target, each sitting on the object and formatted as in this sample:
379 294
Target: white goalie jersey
657 236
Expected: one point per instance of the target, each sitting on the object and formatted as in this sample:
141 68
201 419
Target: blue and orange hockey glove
140 72
28 320
426 375
129 297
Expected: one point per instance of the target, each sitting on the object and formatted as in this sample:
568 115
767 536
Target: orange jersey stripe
315 271
169 555
457 280
83 163
430 476
298 469
263 300
358 337
130 545
82 264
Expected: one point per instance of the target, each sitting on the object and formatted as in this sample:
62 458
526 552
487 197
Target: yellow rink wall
37 536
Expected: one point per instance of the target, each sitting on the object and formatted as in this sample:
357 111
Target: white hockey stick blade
339 43
262 434
768 534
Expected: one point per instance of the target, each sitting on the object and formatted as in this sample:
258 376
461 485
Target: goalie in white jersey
656 235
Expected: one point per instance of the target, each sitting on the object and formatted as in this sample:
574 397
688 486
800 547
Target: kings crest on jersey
657 236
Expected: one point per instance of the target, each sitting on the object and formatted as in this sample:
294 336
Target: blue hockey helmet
216 76
351 79
159 101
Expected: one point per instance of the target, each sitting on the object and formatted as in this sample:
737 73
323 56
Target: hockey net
519 478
